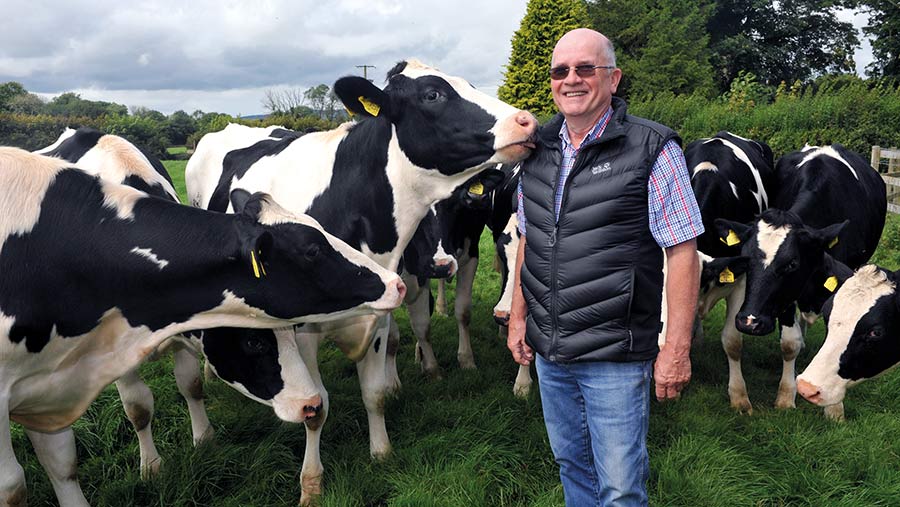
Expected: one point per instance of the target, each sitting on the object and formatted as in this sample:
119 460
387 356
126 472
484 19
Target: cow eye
791 266
432 96
875 332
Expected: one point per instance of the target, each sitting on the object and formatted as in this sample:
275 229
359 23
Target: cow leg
187 376
137 399
12 476
463 307
393 346
56 452
835 412
312 470
791 344
522 386
733 343
372 383
440 304
418 305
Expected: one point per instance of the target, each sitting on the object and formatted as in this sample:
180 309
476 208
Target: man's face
578 97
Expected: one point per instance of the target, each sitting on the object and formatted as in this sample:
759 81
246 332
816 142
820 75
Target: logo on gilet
597 169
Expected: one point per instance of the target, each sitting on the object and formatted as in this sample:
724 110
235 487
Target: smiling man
602 196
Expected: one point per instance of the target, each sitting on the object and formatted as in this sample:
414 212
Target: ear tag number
831 283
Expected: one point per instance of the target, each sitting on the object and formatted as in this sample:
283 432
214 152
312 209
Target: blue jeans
597 415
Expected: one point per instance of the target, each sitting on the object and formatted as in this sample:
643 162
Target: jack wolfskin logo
597 169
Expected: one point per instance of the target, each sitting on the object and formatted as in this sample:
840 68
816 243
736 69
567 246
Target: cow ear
829 235
478 189
246 204
239 198
732 233
256 249
361 97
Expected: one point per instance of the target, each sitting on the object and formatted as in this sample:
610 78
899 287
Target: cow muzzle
298 411
501 318
515 137
811 392
750 324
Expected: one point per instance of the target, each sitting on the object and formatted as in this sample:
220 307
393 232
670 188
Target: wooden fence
891 175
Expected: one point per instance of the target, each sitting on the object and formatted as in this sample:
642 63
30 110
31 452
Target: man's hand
672 372
515 342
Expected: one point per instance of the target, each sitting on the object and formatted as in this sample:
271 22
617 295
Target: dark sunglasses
557 73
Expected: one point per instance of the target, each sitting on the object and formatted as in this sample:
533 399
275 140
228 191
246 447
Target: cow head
315 275
782 253
442 123
718 277
862 341
265 366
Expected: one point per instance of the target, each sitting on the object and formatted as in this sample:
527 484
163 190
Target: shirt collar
593 134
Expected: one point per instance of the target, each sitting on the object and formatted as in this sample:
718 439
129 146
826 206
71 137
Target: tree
146 112
27 103
884 28
317 96
661 45
179 126
71 104
8 91
283 101
526 82
787 41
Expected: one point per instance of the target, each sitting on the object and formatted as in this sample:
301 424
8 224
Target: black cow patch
245 356
238 162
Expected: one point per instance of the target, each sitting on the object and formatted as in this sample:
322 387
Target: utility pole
364 68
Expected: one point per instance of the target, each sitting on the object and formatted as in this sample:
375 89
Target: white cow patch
735 191
705 166
762 199
121 198
148 254
25 179
69 132
770 240
826 151
853 300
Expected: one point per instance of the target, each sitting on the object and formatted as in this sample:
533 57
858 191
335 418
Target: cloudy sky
222 55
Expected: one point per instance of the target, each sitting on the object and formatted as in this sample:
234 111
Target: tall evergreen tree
884 28
527 82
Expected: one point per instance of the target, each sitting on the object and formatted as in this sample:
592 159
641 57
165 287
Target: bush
34 132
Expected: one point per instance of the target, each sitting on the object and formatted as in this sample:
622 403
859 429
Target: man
601 197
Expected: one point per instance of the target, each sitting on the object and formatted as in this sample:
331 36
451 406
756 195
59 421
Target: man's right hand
515 342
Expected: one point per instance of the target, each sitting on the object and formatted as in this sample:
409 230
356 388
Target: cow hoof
382 455
785 402
467 363
310 490
433 374
743 407
521 390
151 470
835 413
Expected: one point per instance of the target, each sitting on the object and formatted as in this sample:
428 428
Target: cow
861 340
264 366
370 182
97 275
820 190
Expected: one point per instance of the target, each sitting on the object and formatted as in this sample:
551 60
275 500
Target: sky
222 55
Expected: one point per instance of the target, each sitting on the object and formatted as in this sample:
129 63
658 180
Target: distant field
467 441
174 150
176 171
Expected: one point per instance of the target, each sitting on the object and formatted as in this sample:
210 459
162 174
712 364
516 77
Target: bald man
603 197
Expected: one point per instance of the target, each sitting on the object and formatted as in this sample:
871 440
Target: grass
467 441
175 150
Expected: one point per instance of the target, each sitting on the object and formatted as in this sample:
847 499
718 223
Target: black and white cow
96 275
369 182
264 366
861 342
789 248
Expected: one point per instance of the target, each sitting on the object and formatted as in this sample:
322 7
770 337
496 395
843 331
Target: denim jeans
597 415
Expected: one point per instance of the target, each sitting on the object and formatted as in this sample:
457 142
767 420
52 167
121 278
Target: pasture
467 441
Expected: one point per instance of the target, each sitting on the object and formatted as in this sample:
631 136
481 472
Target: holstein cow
96 275
732 178
863 325
820 191
369 182
455 228
264 366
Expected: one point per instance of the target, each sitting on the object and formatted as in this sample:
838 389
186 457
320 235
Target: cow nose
527 120
401 290
746 323
809 391
501 318
447 265
312 408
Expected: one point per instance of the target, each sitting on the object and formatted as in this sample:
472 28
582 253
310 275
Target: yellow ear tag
370 107
255 266
732 238
833 242
831 283
477 188
726 276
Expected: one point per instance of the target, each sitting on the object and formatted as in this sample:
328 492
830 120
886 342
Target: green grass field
175 150
467 441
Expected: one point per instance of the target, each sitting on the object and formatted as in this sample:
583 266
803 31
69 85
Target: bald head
585 40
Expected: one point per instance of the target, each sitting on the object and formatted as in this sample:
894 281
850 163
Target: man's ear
361 97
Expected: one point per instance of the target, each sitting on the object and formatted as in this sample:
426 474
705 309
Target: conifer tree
527 81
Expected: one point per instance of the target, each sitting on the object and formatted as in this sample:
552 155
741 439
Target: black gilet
593 280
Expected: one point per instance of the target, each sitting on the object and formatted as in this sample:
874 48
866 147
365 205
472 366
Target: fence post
876 157
892 161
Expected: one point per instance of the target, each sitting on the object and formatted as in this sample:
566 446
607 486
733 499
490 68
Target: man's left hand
671 372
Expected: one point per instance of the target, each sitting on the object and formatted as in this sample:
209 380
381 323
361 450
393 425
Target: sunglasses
557 73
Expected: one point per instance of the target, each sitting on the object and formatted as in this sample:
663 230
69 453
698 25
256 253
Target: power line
365 68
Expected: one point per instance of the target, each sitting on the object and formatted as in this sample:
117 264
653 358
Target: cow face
318 275
426 255
783 253
862 340
263 365
718 277
442 123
